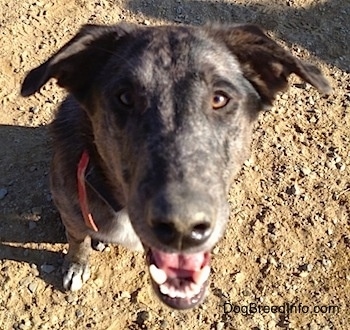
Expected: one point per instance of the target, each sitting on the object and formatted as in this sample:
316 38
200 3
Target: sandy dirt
286 252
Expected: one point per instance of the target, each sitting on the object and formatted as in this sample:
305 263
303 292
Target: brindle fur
168 158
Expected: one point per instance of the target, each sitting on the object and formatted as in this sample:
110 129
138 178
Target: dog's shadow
30 229
312 27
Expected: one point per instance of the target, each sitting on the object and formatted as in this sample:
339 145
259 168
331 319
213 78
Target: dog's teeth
159 276
201 276
164 289
181 294
172 293
195 289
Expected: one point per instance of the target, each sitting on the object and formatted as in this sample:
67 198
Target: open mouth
180 280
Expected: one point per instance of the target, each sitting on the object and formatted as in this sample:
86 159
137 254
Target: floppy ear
266 64
76 63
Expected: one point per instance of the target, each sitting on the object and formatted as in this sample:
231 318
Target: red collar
83 163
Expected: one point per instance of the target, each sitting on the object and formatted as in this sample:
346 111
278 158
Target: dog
156 125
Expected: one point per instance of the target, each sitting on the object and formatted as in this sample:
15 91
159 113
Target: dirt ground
286 252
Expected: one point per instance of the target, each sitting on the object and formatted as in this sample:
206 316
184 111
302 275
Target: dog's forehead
173 52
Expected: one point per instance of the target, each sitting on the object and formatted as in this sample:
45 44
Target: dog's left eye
219 100
126 98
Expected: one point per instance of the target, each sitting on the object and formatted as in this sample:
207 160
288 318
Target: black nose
181 235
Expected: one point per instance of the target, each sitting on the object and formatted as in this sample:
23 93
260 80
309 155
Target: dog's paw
75 275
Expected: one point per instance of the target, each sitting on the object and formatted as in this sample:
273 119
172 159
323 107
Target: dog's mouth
180 280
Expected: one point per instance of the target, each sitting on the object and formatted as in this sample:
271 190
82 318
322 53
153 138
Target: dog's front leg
76 270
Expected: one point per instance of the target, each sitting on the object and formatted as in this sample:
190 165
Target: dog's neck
88 173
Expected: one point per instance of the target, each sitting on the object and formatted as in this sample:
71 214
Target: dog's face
172 110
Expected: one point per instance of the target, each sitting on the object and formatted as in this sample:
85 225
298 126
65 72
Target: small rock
329 231
163 324
273 261
271 324
331 165
239 278
47 268
220 326
98 282
32 287
70 298
98 246
25 281
25 325
142 317
216 250
303 274
146 22
340 166
34 270
31 225
34 110
306 171
79 313
125 294
313 325
3 193
294 190
326 262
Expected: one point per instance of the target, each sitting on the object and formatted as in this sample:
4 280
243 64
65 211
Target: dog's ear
77 62
266 64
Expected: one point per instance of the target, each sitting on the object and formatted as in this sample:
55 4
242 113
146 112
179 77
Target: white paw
75 275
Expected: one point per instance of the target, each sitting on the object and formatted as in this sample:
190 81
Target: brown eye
126 98
219 100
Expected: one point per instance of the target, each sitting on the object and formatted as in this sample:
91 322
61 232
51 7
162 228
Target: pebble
26 281
273 261
47 268
142 317
306 171
329 231
294 190
271 324
34 110
216 250
34 270
340 166
125 294
98 282
303 274
220 326
3 193
70 298
79 313
331 164
25 325
326 262
163 324
32 287
313 325
239 278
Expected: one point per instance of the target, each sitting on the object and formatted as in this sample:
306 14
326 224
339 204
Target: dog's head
172 110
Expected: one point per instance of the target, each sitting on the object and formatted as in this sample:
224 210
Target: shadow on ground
319 22
27 214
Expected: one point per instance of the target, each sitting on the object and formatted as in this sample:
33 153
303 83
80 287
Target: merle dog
157 123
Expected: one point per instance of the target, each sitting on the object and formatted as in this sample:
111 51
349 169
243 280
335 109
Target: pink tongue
179 265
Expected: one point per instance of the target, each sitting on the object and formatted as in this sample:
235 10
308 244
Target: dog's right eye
126 98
